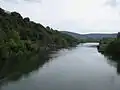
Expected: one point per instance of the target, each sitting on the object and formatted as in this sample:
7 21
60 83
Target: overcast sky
82 16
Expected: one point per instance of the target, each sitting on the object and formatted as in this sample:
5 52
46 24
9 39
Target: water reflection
116 59
14 68
82 68
113 60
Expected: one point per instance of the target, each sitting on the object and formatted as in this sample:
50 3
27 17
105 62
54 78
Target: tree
26 19
17 15
2 12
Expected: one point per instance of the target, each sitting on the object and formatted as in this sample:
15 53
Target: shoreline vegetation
110 46
20 35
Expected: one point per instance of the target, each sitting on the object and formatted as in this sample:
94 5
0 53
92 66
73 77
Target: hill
90 36
21 35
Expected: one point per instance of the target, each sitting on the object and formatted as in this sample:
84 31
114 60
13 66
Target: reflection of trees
15 67
118 68
115 58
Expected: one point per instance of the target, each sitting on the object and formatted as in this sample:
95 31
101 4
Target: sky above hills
82 16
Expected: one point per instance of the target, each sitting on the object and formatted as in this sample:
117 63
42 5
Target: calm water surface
80 68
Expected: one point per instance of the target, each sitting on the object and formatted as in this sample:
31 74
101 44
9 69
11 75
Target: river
80 68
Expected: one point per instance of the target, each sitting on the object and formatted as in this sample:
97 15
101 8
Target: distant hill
93 36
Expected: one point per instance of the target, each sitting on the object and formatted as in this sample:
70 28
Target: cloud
113 3
74 15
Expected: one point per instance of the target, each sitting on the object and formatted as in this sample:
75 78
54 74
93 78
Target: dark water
81 68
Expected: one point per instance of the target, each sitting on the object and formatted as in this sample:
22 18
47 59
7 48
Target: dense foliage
20 35
113 48
110 46
104 43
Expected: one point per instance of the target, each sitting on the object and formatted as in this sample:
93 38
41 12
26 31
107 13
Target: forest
110 47
20 35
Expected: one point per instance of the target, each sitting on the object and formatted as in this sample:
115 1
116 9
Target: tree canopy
20 34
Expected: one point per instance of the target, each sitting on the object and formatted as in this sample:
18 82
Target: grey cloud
113 3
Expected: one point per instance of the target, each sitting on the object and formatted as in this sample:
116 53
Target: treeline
89 40
20 35
110 46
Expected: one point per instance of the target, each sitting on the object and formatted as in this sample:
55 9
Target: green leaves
22 35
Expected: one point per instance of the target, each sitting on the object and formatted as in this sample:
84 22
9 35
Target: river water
80 68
